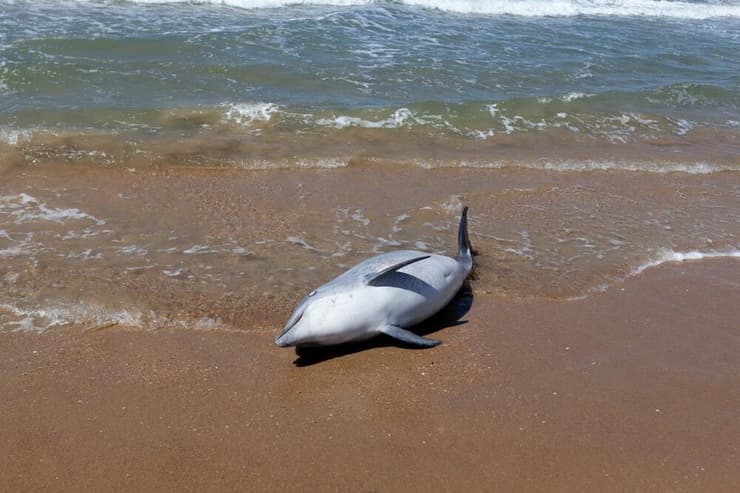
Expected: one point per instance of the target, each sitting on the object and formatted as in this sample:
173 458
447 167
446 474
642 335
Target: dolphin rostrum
384 294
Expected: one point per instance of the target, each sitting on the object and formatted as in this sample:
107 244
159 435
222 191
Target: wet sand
204 248
631 389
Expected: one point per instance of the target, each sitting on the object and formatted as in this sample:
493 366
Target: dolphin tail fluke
464 249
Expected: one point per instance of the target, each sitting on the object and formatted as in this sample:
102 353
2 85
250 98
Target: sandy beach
175 176
143 304
631 389
141 307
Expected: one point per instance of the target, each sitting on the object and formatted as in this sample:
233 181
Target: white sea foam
59 315
452 205
651 167
526 8
683 126
296 240
87 254
398 119
258 4
92 316
14 136
538 8
294 164
134 250
228 248
698 168
572 96
27 208
13 251
397 222
17 246
200 250
360 217
248 113
240 250
4 72
669 256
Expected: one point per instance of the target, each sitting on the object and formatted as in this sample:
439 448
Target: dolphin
384 294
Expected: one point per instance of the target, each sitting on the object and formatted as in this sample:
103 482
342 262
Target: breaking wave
525 8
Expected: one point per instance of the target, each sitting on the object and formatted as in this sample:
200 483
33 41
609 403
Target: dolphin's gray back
380 262
373 265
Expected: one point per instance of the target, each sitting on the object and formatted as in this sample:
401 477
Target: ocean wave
94 316
398 119
525 8
618 116
671 256
590 165
567 8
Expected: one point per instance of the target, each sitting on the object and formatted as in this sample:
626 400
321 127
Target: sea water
592 140
454 73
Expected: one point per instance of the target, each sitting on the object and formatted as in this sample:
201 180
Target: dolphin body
381 295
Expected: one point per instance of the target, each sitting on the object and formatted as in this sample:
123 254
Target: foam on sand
93 316
27 208
569 166
672 256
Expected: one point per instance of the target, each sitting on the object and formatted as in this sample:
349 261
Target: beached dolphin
384 294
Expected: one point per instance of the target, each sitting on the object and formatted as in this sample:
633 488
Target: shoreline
223 238
175 176
268 148
633 388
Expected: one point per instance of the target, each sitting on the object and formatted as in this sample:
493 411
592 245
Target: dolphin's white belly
427 287
404 298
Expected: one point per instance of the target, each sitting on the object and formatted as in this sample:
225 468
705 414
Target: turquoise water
610 71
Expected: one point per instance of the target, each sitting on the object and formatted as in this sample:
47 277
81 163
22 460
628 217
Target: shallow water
233 250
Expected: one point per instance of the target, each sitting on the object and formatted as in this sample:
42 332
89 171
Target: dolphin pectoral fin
375 275
408 337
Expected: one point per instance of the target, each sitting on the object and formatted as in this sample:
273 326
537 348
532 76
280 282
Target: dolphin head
297 330
286 338
322 318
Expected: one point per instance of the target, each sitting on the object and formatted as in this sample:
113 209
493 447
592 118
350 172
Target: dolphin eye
312 293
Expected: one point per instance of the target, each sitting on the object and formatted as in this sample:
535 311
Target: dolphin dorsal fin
464 249
369 278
